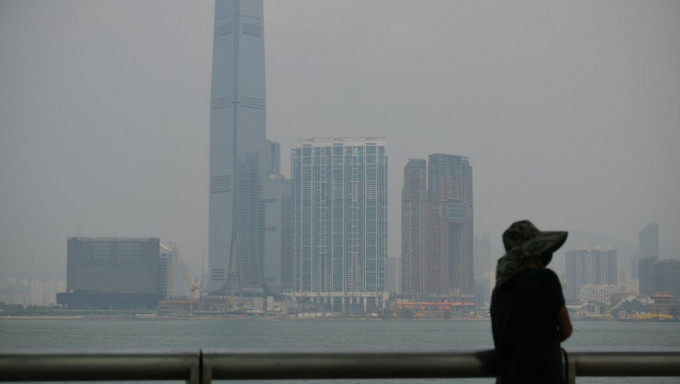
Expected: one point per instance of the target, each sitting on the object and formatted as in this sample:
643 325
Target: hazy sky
568 111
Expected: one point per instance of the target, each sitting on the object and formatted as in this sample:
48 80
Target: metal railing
201 367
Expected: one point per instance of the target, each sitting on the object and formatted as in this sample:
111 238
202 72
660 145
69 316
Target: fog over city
569 113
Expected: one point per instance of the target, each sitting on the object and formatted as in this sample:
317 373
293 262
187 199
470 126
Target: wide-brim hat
531 240
523 241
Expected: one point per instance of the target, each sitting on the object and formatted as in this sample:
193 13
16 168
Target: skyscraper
668 276
589 266
340 216
649 240
482 255
451 224
485 265
648 252
605 266
278 233
437 233
414 233
659 276
238 162
576 265
647 281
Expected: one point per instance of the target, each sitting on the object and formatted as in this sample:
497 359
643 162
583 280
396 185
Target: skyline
569 112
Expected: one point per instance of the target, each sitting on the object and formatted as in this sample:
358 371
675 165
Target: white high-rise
340 216
237 149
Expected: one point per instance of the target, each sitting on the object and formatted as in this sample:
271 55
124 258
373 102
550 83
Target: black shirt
525 327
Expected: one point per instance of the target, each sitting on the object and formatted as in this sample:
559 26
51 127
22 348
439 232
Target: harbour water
104 335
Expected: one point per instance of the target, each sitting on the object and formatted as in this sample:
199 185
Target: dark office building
659 276
450 224
649 241
112 273
414 229
668 276
278 236
647 275
437 227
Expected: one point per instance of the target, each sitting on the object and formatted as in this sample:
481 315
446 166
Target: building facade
659 276
31 292
340 216
172 281
450 225
648 251
668 276
649 241
589 267
238 149
273 158
602 293
647 275
485 265
278 234
112 273
437 241
414 229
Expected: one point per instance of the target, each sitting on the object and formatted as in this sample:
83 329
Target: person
529 318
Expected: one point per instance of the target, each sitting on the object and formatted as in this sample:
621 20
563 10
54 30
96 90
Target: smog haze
569 112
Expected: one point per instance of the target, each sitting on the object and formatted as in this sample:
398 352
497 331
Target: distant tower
576 269
605 268
649 241
482 252
340 216
414 233
278 233
451 224
273 158
589 266
238 162
647 282
485 268
668 276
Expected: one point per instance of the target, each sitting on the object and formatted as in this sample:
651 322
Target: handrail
201 367
98 366
240 365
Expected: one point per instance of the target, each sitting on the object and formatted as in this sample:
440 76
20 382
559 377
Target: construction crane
197 284
192 284
200 279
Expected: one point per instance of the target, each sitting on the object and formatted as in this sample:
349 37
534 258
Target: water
319 334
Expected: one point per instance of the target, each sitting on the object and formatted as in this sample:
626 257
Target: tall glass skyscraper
415 268
436 227
451 224
340 216
237 149
649 240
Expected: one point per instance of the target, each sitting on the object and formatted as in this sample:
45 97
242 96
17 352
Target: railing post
195 374
206 370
